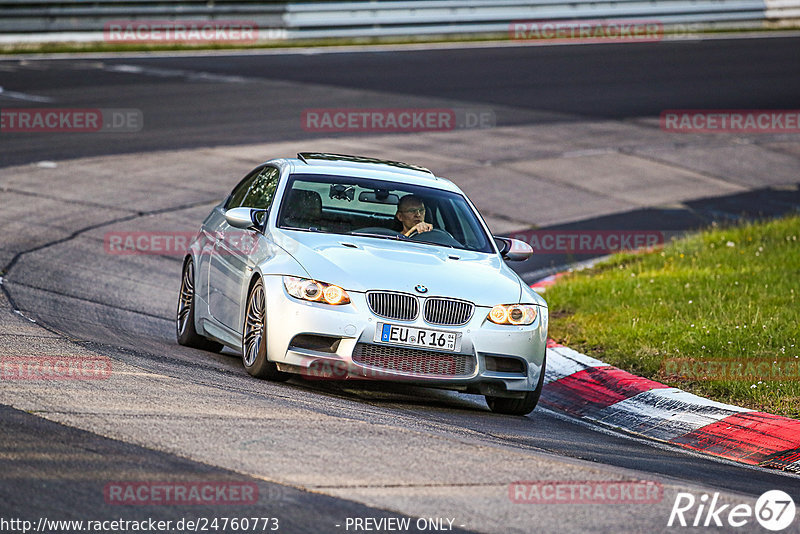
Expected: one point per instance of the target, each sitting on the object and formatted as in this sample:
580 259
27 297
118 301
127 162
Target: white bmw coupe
346 267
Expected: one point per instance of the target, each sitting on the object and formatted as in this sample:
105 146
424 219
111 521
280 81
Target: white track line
26 97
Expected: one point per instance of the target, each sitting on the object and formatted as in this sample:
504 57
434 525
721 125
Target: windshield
360 206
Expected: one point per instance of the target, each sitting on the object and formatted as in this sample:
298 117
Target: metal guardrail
19 16
47 19
782 9
352 19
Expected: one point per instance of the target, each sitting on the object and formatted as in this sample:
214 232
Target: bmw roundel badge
420 288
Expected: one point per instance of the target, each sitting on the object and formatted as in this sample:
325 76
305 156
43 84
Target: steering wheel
437 236
412 234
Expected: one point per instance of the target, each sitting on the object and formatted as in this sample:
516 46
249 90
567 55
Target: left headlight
513 314
315 291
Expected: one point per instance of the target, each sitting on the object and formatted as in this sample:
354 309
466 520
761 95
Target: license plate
417 337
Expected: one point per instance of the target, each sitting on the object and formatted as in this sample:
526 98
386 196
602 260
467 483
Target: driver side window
256 190
236 199
263 189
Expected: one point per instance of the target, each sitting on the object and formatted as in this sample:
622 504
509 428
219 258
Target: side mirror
246 218
513 249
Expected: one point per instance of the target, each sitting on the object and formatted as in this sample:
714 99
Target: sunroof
305 156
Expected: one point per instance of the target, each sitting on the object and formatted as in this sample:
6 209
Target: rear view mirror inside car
379 196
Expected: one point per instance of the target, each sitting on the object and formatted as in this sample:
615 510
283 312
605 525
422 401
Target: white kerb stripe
563 361
665 413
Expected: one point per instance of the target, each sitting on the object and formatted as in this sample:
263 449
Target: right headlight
513 314
314 291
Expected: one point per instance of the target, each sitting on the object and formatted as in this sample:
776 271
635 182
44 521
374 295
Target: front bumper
330 342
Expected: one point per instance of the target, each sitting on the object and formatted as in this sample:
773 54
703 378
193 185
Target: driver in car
411 214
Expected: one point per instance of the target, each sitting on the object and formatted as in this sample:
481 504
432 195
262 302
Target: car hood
364 263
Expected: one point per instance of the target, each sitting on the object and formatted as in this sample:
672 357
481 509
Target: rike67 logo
774 510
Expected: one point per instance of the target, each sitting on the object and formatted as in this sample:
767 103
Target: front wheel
186 333
254 337
523 406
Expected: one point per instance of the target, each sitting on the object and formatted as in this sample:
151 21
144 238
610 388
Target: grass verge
715 313
489 37
102 47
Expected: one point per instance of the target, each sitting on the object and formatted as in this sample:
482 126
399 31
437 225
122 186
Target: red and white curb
581 386
584 387
541 285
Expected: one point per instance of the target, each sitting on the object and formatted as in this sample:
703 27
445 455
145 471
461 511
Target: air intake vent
448 312
397 306
414 361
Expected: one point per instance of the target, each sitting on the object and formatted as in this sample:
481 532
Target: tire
184 322
254 337
523 406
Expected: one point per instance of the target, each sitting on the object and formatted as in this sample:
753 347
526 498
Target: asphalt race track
573 125
224 100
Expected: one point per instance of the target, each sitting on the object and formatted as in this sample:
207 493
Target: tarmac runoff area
201 407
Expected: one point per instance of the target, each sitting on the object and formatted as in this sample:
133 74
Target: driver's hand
420 227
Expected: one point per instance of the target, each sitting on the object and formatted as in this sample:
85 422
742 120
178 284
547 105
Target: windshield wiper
382 236
310 229
431 243
401 238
